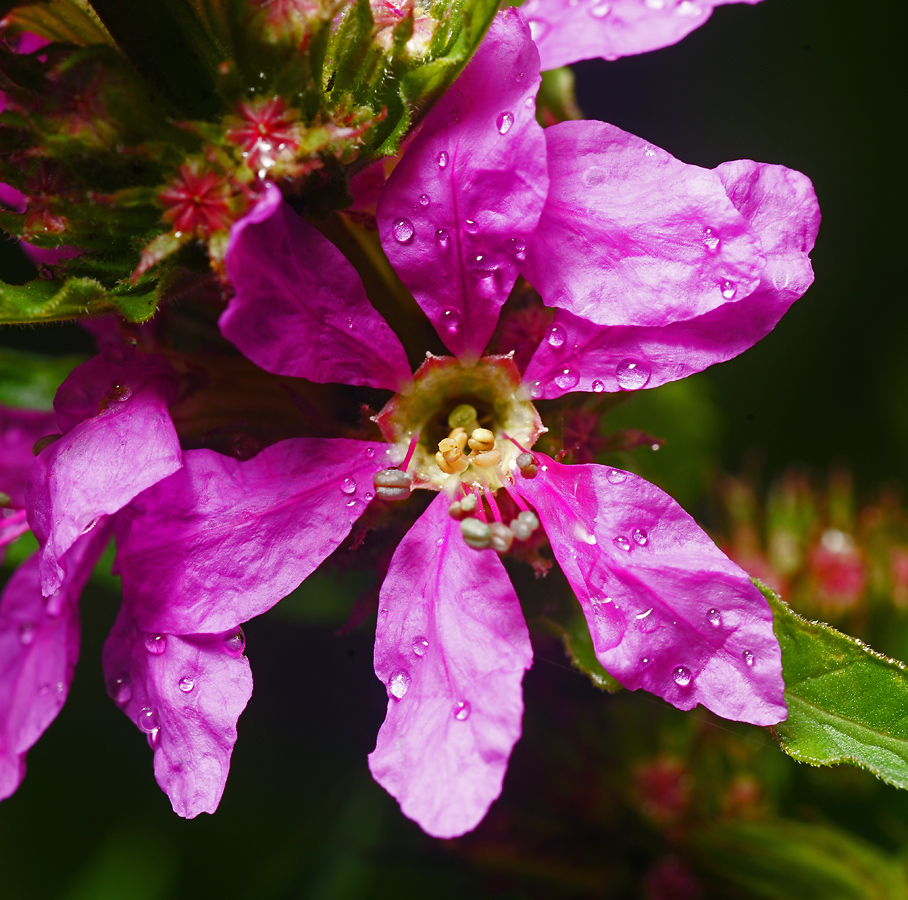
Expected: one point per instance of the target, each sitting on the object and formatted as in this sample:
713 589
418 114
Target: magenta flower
657 269
566 31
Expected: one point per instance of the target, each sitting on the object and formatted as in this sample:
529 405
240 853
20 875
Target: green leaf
64 21
30 380
574 634
846 703
55 301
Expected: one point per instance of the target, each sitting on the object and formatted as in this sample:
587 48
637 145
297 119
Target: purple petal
452 646
38 653
185 694
632 236
19 429
781 206
299 306
100 463
458 212
222 541
667 610
566 31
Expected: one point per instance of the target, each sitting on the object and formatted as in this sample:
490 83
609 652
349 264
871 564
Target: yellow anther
486 459
459 435
454 466
481 440
447 445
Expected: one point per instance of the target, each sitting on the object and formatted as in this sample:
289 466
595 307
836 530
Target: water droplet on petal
26 633
640 537
439 542
714 617
538 28
120 689
235 641
598 387
711 239
529 102
681 676
567 378
370 452
729 289
616 476
156 643
399 683
442 159
536 390
686 8
450 318
462 710
441 236
556 336
350 323
420 645
423 199
119 393
148 719
403 230
186 684
504 122
647 621
516 248
632 374
600 10
348 485
622 543
748 658
471 226
480 266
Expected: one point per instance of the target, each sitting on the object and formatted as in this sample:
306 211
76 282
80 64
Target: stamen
480 509
501 537
524 525
490 499
518 501
411 450
526 462
392 484
481 440
477 534
487 459
507 437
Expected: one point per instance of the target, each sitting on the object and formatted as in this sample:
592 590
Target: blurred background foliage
616 796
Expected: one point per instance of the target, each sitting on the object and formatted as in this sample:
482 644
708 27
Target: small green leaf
846 703
30 380
55 301
64 21
574 634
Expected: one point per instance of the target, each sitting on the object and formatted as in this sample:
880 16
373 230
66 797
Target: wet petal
38 653
458 212
299 306
667 610
567 30
19 429
781 206
452 646
222 541
185 694
631 236
102 461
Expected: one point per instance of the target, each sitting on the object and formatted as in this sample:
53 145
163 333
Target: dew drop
399 683
567 378
370 452
148 719
26 633
186 684
504 122
536 390
120 689
235 641
632 374
516 248
442 159
556 336
600 10
119 393
441 236
471 226
156 643
350 323
681 676
711 240
686 8
403 230
622 542
462 710
529 102
420 645
348 485
647 621
714 617
748 658
480 266
640 537
423 199
729 289
451 319
616 476
598 387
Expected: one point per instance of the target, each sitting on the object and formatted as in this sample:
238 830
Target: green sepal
60 21
846 702
30 380
57 301
574 635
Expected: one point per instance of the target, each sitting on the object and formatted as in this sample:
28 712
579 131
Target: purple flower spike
185 694
566 31
667 610
458 212
320 324
39 647
248 532
451 646
118 440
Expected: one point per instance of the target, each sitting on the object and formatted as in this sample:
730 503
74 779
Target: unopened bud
392 484
477 534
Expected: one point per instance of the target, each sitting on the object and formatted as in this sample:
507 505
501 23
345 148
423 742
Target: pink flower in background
657 269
